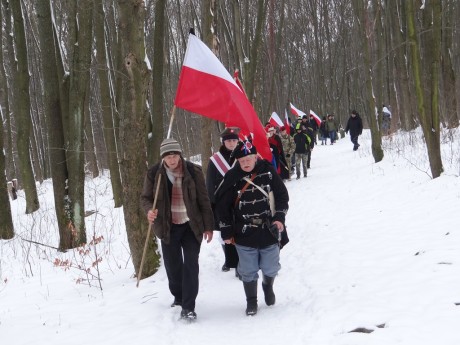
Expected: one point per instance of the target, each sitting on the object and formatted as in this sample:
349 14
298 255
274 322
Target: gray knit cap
168 146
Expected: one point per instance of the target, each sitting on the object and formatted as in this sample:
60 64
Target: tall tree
22 109
6 221
135 76
365 30
210 38
429 120
52 109
80 43
158 106
106 85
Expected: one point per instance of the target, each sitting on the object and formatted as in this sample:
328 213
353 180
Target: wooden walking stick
147 238
148 233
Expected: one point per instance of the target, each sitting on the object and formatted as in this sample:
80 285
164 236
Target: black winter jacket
354 125
248 221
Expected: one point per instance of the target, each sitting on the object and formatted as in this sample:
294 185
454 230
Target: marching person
302 149
219 164
355 126
288 148
246 219
181 220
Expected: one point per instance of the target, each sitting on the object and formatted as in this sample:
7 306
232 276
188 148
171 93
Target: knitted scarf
178 210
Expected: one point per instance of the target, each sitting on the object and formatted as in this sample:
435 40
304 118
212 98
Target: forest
87 86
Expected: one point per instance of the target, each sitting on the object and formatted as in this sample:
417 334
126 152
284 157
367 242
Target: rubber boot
267 286
250 288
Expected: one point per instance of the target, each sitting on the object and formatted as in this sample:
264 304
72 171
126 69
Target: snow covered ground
374 258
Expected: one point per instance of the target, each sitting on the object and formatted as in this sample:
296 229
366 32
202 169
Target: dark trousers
181 262
354 139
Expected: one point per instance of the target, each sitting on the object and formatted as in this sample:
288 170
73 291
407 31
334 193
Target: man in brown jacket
182 218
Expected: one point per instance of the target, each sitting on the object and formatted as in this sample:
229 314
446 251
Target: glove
288 155
274 231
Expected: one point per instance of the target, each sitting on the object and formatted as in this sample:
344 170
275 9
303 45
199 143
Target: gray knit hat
169 146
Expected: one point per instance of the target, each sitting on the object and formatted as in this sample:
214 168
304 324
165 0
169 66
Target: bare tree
6 221
135 76
22 109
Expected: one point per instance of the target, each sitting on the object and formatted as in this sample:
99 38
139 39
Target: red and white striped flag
287 124
296 112
206 88
316 117
275 120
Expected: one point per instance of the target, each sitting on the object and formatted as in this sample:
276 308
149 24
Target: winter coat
248 221
288 144
313 125
214 179
322 130
354 125
302 143
331 126
195 198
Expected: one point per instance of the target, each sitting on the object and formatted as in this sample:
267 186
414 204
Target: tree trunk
22 110
210 39
429 126
6 220
106 104
52 110
250 76
158 106
80 21
132 129
362 16
90 148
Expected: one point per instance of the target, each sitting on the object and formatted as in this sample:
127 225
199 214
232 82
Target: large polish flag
316 117
275 120
296 112
206 88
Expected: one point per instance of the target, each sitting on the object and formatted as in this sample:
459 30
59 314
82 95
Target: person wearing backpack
181 220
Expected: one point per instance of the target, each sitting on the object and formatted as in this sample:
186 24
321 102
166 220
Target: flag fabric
296 112
316 117
206 88
275 120
287 123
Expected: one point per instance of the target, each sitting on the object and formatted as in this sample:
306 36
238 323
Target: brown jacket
195 198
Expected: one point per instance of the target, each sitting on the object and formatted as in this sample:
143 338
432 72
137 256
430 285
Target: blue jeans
252 259
332 136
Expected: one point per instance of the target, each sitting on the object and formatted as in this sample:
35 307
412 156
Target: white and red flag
296 112
287 123
206 88
316 117
275 120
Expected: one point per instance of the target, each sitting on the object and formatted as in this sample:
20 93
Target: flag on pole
296 112
275 120
316 117
287 123
206 88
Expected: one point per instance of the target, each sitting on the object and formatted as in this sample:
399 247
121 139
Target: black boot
267 286
224 266
250 288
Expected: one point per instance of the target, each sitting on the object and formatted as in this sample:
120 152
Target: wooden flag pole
147 238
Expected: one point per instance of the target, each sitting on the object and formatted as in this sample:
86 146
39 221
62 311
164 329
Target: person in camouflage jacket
288 148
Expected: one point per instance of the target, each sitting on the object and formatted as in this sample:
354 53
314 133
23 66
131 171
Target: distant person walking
355 126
